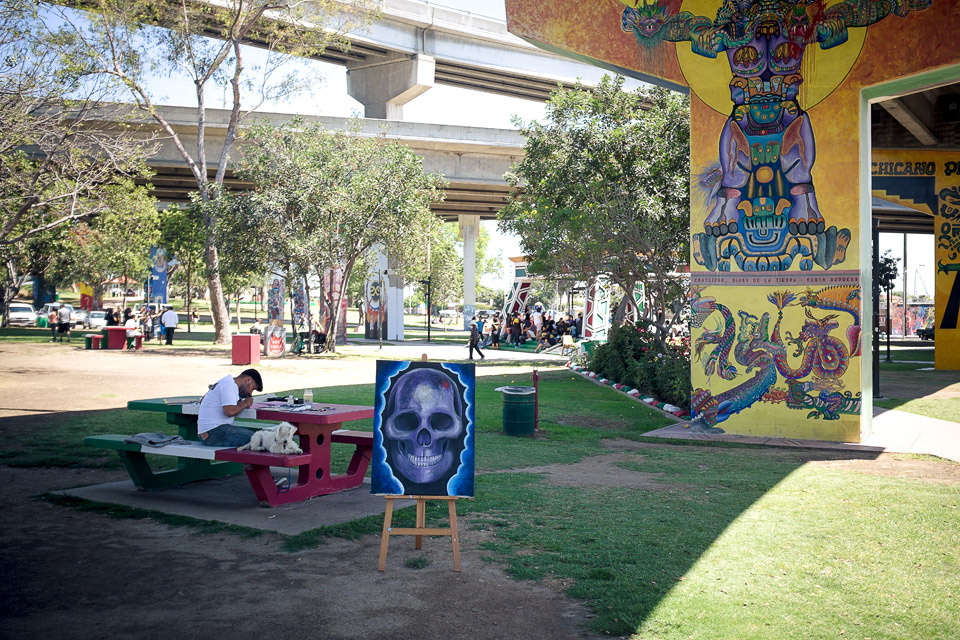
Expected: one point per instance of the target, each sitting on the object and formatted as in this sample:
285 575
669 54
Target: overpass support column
469 230
383 87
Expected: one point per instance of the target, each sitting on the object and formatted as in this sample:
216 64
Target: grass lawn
699 540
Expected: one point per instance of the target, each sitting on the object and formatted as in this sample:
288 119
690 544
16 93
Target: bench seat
362 438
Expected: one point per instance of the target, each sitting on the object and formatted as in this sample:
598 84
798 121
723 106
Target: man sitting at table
225 400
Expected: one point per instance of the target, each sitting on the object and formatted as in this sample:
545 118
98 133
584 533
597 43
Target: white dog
278 439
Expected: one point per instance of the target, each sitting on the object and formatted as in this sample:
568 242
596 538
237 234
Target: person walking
52 321
474 340
169 320
63 322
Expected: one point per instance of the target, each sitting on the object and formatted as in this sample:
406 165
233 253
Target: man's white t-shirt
211 415
537 318
169 318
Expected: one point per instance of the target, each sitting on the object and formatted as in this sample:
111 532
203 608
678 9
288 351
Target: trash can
518 410
88 341
245 348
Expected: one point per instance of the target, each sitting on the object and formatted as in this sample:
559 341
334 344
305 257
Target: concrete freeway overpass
473 159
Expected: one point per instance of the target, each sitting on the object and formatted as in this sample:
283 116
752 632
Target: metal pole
889 325
875 291
905 296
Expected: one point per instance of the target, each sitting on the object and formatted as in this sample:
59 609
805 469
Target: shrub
631 357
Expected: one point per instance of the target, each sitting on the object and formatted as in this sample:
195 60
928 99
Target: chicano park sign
779 213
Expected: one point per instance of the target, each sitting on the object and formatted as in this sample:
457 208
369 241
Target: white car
96 320
22 314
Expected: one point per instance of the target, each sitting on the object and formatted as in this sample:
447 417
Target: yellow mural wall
776 270
929 181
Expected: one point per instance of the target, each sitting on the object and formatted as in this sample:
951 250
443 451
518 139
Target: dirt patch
599 471
900 466
82 575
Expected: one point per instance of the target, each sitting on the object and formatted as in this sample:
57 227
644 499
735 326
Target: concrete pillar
386 304
383 87
469 230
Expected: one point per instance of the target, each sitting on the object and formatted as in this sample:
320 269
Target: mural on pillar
929 182
376 312
774 213
763 213
596 316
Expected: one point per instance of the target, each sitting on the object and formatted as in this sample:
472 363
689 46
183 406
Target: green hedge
631 356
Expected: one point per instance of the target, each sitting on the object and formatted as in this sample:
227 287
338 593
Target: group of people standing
162 323
517 328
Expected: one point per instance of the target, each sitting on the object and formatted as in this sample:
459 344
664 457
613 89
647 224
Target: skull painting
423 427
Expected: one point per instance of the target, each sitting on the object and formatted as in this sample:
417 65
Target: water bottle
308 396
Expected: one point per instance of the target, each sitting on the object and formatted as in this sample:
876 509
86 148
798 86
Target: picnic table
318 428
116 337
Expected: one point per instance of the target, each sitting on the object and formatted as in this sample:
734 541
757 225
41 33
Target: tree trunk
239 329
306 285
189 319
338 304
218 308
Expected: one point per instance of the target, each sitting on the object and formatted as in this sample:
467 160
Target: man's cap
255 376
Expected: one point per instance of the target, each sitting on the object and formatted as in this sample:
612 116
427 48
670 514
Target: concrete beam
910 119
384 86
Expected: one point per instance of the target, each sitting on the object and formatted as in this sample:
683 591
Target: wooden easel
420 529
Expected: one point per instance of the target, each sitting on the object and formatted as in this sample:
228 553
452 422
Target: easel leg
454 535
421 520
385 538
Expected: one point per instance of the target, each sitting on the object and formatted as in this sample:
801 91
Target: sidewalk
893 432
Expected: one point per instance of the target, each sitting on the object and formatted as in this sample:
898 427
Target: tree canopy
328 198
603 190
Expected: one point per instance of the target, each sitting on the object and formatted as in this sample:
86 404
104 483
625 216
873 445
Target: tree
331 197
603 190
205 41
117 242
182 235
59 163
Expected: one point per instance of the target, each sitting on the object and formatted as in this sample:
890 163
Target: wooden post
420 529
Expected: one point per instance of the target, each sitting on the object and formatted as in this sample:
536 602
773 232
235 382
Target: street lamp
427 282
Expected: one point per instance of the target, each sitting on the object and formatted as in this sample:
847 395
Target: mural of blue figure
424 426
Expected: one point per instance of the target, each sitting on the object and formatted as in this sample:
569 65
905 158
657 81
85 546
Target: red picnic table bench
318 428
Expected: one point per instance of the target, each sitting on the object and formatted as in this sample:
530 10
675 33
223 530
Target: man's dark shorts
63 327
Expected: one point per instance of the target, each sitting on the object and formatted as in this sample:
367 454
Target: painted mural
424 429
929 182
775 199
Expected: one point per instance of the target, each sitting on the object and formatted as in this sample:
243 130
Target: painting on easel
423 429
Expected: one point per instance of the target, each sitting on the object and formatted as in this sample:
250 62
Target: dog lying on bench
278 439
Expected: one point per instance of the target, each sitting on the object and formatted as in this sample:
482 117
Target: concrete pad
232 501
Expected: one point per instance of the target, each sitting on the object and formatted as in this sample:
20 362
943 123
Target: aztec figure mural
778 249
929 182
423 442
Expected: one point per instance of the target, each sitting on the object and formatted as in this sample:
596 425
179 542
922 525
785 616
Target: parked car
23 314
56 305
96 320
137 308
925 333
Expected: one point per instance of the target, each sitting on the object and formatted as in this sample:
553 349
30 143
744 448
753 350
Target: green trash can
518 410
88 341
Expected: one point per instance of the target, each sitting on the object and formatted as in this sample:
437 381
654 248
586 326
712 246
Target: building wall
929 181
775 149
